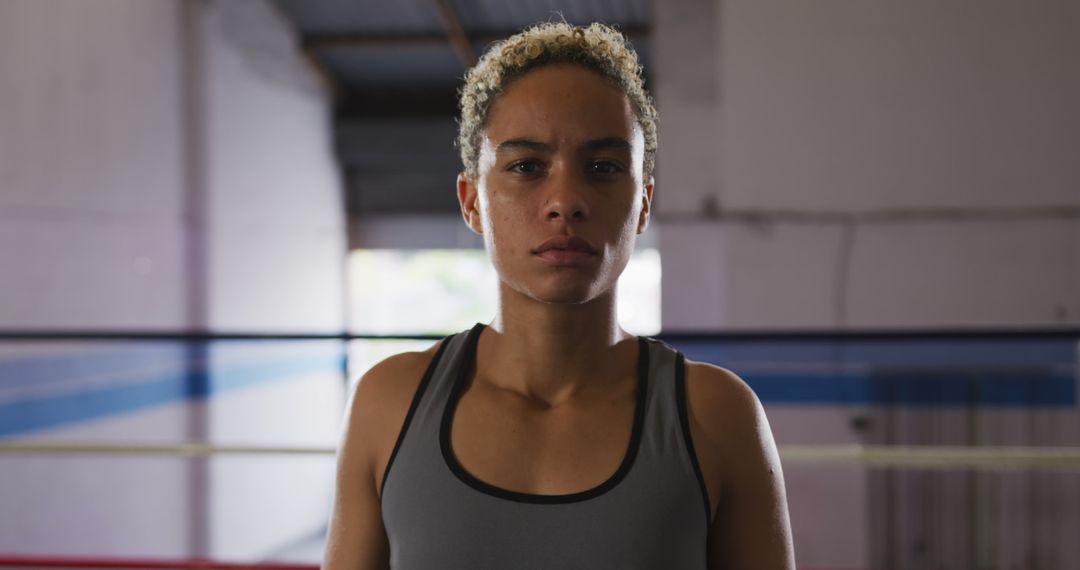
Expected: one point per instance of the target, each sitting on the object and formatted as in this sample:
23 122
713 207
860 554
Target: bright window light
442 291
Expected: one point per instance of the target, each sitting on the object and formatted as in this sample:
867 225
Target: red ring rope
15 560
156 563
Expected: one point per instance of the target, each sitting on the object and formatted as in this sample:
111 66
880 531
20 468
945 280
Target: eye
525 167
605 167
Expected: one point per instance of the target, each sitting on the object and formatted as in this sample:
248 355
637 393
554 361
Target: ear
470 206
646 206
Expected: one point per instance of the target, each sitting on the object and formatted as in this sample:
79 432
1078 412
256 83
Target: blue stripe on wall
997 373
1050 391
41 413
996 353
990 372
29 415
42 369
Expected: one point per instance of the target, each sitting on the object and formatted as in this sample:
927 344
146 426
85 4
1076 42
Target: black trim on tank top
424 381
468 361
684 421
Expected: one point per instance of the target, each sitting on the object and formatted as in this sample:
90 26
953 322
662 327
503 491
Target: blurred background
216 214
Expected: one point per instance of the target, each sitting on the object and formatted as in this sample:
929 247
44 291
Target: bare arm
356 538
750 527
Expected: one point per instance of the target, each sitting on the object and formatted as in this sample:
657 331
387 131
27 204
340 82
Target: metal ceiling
405 58
395 67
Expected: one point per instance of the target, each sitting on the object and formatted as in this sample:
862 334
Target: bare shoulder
356 538
728 424
378 406
742 471
392 379
721 396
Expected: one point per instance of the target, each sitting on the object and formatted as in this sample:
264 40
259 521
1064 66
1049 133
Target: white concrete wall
859 109
276 224
276 245
168 165
91 182
842 163
91 165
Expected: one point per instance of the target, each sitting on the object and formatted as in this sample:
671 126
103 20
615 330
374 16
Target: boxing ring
908 476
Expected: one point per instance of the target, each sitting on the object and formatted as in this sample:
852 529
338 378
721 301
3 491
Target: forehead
561 101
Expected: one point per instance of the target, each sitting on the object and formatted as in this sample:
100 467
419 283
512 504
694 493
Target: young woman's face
559 195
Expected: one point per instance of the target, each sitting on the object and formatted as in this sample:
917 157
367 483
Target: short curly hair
598 47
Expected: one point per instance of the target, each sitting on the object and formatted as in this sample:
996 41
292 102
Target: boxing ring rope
872 455
25 561
187 449
16 561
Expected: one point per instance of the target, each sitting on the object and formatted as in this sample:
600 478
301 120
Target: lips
565 251
566 243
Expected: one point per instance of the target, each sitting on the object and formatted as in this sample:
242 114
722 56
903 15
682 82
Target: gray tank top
651 513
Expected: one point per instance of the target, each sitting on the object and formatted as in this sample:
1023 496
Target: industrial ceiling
406 58
394 68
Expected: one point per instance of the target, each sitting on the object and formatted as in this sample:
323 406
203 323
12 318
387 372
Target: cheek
503 219
626 215
504 209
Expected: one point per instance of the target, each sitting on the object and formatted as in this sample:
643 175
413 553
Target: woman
551 438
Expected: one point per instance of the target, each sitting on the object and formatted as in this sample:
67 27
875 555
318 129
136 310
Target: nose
565 200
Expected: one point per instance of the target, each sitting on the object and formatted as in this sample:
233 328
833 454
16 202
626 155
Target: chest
613 531
492 482
509 443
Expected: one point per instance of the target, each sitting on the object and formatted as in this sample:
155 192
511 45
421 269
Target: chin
560 288
566 293
564 298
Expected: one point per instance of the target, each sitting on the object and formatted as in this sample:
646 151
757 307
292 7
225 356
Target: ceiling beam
456 34
332 85
318 41
416 101
346 40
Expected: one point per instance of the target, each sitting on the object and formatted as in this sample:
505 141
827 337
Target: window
443 291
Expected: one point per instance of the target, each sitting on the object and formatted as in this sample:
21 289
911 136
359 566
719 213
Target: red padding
97 562
13 560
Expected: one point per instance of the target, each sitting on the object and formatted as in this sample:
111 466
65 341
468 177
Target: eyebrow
616 143
537 146
524 144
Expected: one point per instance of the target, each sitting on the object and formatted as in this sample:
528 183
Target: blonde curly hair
598 47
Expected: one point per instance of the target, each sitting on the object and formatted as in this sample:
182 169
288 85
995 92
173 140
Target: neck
552 352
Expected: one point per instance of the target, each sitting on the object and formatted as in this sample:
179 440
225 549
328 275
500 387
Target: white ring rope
934 456
873 455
